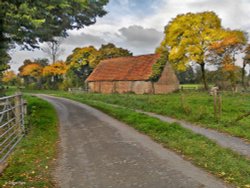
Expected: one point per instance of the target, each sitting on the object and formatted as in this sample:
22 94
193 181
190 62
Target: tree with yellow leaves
31 72
188 38
59 68
53 74
10 78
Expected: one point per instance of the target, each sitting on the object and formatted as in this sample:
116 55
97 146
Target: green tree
186 77
42 61
109 50
188 37
246 61
26 22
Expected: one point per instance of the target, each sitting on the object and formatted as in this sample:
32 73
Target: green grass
31 163
196 107
203 152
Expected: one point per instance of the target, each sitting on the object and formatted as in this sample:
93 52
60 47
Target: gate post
18 111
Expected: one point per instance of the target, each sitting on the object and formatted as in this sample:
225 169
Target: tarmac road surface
97 151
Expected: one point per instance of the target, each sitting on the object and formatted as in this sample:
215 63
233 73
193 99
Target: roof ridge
125 57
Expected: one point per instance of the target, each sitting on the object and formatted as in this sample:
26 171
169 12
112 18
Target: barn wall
138 87
122 86
141 87
168 82
107 87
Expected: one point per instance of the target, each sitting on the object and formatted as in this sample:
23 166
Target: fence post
214 92
215 104
219 105
18 111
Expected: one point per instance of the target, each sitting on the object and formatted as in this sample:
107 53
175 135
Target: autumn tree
27 23
57 69
83 56
188 37
31 72
81 62
225 52
10 78
54 74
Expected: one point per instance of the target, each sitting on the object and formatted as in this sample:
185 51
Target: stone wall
167 83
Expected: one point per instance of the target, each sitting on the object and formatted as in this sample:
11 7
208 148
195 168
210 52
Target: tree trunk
243 75
2 42
204 79
4 46
2 53
53 58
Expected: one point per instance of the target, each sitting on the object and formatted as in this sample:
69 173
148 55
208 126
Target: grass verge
203 152
31 162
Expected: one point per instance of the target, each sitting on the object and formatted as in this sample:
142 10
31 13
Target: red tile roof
124 68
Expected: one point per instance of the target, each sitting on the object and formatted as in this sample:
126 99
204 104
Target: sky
138 25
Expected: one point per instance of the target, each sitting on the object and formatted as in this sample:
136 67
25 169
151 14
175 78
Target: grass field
31 162
193 106
196 107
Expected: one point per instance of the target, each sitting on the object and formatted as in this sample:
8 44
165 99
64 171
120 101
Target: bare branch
53 49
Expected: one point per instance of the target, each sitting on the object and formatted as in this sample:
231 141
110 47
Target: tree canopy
83 60
83 56
188 37
9 78
225 51
109 50
55 69
26 22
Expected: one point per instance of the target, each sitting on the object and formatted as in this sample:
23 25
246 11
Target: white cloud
141 40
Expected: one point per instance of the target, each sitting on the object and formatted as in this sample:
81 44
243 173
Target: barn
131 75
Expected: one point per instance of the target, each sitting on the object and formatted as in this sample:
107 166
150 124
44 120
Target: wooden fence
78 90
12 112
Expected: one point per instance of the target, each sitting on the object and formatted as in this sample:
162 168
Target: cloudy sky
138 24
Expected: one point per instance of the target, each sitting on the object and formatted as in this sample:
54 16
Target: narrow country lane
97 151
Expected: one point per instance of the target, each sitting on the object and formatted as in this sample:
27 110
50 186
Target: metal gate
12 111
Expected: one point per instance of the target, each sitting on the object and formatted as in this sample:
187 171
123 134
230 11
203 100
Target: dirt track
98 151
223 139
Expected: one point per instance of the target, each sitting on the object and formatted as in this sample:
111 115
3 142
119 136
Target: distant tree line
39 74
